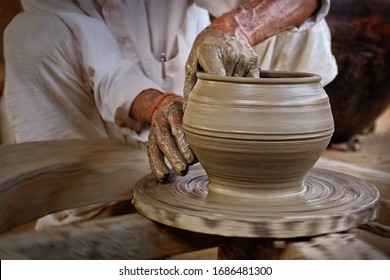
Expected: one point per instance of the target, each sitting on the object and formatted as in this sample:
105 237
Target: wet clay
330 202
258 135
257 141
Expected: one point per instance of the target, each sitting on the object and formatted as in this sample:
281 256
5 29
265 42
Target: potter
101 68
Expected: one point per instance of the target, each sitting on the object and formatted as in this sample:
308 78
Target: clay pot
258 136
361 45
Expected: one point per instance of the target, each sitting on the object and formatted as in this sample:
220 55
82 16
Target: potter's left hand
167 140
217 53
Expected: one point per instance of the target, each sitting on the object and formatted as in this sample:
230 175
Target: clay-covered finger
190 77
156 158
175 121
241 68
211 61
253 65
168 146
254 73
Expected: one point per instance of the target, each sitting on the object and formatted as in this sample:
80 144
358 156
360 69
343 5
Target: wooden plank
336 246
134 237
39 178
123 237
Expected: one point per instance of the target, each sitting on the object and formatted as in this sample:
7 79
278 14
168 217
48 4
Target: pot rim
266 77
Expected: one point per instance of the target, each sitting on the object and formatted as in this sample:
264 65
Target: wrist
230 26
238 23
143 105
158 102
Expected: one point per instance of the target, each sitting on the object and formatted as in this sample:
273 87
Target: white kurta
71 64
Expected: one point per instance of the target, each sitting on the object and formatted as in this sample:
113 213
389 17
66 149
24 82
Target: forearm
260 19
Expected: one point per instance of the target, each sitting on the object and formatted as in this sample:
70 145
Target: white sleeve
218 7
115 79
315 18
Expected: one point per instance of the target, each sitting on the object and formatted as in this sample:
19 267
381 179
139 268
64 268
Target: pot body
258 136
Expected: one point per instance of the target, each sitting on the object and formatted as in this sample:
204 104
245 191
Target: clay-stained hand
167 139
216 53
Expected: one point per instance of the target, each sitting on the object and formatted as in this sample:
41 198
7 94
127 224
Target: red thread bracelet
161 98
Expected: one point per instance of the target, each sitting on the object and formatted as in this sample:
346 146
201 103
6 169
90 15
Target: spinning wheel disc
329 202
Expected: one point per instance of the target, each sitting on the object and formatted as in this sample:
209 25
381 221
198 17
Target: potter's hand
216 53
166 138
224 47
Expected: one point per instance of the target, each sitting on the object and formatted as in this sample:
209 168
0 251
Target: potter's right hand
224 47
167 139
217 53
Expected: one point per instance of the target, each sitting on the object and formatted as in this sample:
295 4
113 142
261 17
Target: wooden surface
41 178
325 247
128 236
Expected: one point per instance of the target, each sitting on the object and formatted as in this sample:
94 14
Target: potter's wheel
330 202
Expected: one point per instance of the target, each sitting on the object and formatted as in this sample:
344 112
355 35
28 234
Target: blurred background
8 9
